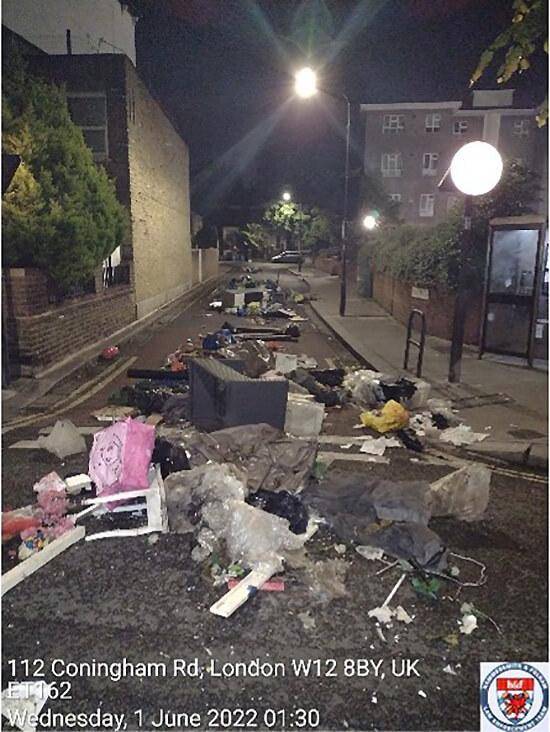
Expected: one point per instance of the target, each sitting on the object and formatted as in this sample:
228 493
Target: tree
527 33
313 227
373 198
257 237
60 213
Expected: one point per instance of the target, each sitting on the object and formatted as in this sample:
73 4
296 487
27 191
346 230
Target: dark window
89 112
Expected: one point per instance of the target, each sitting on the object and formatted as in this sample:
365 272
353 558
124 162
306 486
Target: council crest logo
513 696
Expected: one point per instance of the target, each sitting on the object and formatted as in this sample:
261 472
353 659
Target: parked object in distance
290 256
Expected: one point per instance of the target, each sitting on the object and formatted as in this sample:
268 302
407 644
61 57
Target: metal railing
412 342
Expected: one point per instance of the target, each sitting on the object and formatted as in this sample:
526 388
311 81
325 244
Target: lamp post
305 87
475 170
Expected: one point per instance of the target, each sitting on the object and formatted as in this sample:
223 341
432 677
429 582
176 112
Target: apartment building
409 146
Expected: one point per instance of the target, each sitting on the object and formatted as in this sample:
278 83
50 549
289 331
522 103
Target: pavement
507 400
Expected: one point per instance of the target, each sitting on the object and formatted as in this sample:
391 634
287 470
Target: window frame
459 132
430 169
395 197
423 212
389 128
393 171
98 156
431 126
522 125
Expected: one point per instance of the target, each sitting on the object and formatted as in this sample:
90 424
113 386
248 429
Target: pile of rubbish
223 443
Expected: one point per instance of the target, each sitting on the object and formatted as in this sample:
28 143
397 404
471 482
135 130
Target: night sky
223 70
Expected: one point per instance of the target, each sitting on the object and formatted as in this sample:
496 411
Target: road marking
64 405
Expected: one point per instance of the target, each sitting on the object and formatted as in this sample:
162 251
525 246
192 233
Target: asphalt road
118 599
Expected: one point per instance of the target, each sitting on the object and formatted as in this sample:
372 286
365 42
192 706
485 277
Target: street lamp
305 86
369 222
286 196
475 170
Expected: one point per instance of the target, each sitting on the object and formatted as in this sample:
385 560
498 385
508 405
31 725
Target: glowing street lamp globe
476 168
305 83
369 222
286 196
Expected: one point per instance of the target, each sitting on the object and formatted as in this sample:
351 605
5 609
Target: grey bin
222 397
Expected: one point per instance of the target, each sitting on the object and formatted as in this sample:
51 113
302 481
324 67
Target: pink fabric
120 457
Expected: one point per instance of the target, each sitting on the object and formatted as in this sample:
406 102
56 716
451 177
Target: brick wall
159 200
396 297
40 334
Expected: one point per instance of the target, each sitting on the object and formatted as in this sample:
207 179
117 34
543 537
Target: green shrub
60 213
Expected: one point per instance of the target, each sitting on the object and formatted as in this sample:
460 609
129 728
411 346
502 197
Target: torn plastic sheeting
461 435
120 457
256 356
282 504
252 536
392 416
63 440
188 490
364 386
463 494
326 580
412 541
271 460
352 503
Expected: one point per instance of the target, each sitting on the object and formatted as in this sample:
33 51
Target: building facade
73 26
409 146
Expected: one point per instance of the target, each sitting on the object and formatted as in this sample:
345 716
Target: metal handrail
419 344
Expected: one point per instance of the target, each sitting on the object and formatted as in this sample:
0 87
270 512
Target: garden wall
399 298
41 334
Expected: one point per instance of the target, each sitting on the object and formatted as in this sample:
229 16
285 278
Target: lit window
395 197
429 163
392 165
89 112
393 123
427 201
460 127
433 122
521 127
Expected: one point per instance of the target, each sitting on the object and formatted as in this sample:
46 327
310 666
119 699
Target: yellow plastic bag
392 416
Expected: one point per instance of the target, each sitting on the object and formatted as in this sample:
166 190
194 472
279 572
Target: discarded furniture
221 397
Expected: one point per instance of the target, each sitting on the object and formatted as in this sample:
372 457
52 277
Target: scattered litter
422 694
120 457
377 446
450 670
463 494
392 416
369 552
63 440
326 580
340 548
461 435
383 614
109 353
114 413
402 615
285 363
152 539
273 585
77 483
468 624
23 701
304 418
307 620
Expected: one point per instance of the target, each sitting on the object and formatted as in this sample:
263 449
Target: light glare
305 84
369 222
476 168
286 196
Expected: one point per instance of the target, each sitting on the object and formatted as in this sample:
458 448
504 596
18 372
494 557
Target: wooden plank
31 564
232 600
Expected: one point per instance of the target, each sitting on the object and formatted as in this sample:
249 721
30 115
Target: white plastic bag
63 440
463 494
